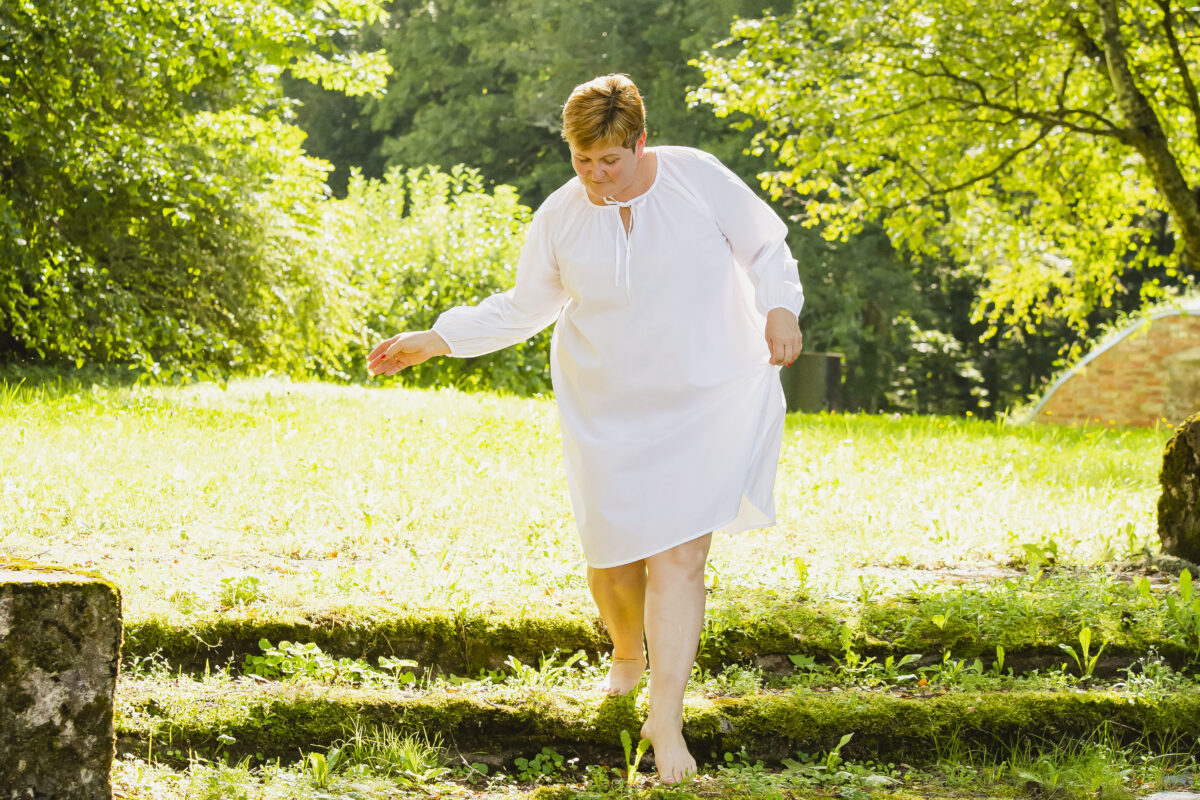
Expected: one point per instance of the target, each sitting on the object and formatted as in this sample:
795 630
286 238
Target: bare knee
626 577
684 561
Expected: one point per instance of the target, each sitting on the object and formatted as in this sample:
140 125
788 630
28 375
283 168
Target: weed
891 668
380 750
948 670
804 663
1151 678
997 669
148 667
543 767
1041 555
633 757
1076 770
549 672
852 664
222 781
800 570
242 591
1084 661
732 681
296 661
1183 614
187 602
319 768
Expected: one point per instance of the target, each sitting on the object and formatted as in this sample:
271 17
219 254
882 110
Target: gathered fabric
671 413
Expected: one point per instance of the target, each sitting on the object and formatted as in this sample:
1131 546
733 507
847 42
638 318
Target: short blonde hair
604 111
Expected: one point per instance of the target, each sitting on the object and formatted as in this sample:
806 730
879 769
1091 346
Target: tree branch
1181 64
1148 137
1004 163
1057 117
1086 43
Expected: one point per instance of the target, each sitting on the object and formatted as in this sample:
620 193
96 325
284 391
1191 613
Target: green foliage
421 241
993 134
474 85
633 756
549 672
1183 614
296 661
242 591
1073 770
155 202
543 767
1084 660
378 751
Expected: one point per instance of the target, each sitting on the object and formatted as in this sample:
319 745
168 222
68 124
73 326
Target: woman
664 272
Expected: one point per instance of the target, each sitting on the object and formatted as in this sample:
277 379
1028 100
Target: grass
368 512
272 494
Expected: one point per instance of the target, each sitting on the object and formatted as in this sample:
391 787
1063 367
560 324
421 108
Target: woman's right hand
404 350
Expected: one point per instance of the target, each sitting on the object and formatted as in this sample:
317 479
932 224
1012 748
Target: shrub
421 241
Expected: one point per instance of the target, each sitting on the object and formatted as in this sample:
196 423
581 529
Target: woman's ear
640 146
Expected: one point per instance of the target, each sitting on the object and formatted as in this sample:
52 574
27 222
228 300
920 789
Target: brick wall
1127 383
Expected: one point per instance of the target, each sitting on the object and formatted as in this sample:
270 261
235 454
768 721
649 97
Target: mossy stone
60 636
1179 504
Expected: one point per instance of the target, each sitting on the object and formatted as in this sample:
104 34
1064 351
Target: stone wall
1145 377
60 637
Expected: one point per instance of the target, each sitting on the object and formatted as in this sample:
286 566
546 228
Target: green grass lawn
358 514
318 496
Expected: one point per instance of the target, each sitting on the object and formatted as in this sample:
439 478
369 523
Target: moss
436 638
1028 619
747 624
1179 503
284 721
61 574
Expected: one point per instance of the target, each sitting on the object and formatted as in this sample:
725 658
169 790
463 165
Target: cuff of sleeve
440 330
788 296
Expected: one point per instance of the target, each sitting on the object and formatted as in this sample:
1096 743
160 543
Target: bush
421 241
155 205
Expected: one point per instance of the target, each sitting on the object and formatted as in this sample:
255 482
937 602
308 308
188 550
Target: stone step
746 627
178 717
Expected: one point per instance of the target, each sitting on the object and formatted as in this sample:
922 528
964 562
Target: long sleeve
512 316
756 235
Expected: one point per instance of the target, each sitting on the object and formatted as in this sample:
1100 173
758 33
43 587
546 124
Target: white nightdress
671 413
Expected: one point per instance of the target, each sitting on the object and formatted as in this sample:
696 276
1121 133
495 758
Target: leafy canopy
153 192
1042 145
473 84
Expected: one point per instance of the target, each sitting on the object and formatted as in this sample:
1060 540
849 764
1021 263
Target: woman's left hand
783 336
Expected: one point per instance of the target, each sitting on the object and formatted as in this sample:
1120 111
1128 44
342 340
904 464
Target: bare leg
620 594
674 617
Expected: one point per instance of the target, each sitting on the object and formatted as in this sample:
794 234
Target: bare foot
675 764
623 676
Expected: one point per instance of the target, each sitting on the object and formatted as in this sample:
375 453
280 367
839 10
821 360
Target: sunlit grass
346 495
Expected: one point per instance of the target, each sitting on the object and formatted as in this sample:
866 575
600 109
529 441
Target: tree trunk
1147 136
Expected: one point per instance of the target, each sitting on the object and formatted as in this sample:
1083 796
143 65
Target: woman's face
608 170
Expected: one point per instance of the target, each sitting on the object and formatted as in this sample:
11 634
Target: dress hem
770 522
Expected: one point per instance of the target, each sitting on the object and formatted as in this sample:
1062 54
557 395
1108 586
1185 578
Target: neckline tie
621 259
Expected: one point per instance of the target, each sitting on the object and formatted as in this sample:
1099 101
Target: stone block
60 636
1179 503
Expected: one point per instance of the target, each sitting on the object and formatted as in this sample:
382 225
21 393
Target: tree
482 83
153 194
1042 145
